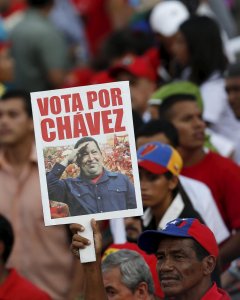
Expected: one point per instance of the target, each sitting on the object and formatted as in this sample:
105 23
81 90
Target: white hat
167 16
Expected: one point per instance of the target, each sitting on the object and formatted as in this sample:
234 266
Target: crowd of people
185 90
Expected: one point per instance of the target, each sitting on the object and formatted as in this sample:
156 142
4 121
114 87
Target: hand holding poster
86 153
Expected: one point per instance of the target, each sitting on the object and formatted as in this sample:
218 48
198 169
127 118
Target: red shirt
18 288
215 293
222 176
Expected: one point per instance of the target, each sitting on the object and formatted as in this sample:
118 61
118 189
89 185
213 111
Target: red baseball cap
138 66
186 228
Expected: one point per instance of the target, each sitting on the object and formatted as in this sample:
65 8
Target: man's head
181 104
159 167
15 117
6 239
232 85
89 157
126 276
186 251
165 19
184 113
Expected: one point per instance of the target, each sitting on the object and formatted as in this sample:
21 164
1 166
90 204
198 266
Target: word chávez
65 117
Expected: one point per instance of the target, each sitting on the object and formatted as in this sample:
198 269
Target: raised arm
94 287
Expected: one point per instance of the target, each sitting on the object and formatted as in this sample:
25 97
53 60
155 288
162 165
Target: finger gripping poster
86 153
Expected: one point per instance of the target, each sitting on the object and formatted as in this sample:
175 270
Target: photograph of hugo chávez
95 189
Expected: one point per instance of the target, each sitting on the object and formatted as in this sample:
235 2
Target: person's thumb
95 227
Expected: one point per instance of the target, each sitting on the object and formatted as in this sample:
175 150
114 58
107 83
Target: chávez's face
91 162
179 270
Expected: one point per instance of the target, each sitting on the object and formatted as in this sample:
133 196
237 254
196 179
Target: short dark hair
233 70
39 3
169 175
159 126
6 236
166 106
86 139
22 95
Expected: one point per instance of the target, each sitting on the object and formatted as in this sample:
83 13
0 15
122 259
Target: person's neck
196 292
18 154
191 156
159 210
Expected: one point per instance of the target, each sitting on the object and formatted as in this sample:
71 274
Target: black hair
205 47
22 95
159 126
39 3
169 175
86 139
164 110
233 70
122 42
6 236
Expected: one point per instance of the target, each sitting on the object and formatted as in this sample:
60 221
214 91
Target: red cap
186 228
138 66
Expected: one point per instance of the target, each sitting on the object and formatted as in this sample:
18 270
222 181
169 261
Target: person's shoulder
22 286
220 160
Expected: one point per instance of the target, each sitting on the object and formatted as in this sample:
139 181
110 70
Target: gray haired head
133 269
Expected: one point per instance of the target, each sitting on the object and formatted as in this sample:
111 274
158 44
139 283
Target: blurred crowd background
163 48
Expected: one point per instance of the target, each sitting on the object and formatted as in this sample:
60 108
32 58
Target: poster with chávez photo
86 153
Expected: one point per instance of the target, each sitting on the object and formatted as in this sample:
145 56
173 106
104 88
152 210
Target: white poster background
41 144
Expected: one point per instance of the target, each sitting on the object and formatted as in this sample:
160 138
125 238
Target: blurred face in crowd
153 110
15 124
156 189
186 116
180 49
141 90
167 42
133 228
233 90
90 160
179 270
6 66
116 290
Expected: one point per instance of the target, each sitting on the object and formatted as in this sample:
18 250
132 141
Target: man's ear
209 264
141 291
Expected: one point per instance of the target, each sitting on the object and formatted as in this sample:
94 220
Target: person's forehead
175 244
112 276
233 80
184 107
12 104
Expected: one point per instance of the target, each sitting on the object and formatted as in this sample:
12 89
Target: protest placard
86 153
